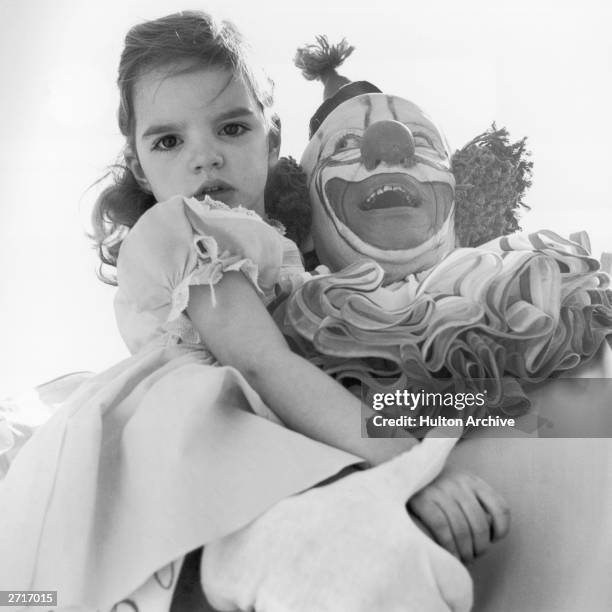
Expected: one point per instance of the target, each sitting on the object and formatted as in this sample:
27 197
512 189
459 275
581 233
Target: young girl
168 449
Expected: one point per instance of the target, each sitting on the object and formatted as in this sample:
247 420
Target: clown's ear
492 176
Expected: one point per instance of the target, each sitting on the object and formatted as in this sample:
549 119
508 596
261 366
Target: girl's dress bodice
185 242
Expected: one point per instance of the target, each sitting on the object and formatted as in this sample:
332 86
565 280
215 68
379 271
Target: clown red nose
387 141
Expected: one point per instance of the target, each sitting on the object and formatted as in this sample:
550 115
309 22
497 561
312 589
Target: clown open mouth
374 193
390 196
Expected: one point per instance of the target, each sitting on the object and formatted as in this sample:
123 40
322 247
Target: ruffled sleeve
184 242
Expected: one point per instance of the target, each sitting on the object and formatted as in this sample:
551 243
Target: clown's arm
455 509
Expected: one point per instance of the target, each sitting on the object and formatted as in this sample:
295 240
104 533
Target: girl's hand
462 513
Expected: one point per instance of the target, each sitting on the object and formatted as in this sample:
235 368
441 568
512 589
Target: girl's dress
166 450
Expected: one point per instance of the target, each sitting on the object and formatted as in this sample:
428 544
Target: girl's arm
240 332
462 513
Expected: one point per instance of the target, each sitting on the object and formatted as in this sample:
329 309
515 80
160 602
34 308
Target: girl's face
201 133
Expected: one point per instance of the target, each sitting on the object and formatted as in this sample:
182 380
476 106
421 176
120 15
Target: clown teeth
397 188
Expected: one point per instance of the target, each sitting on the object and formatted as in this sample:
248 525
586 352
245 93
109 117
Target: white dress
166 450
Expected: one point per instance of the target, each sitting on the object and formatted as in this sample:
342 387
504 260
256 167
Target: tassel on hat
319 62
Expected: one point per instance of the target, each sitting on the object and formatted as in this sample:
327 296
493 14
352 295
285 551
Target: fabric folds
167 450
184 242
524 307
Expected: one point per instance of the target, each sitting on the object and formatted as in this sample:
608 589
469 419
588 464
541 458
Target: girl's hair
181 42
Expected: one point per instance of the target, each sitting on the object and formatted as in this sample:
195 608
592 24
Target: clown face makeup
381 186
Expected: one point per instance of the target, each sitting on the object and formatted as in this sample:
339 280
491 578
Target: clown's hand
346 547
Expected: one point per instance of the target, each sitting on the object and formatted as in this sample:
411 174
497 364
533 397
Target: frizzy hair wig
180 42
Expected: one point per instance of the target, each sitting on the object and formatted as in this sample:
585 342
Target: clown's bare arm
240 332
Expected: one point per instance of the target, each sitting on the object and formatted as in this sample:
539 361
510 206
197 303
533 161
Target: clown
412 306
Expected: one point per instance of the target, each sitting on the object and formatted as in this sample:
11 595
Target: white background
540 68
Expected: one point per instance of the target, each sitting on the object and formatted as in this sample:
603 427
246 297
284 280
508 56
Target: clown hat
319 62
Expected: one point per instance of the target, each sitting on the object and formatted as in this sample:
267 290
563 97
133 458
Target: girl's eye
165 143
233 129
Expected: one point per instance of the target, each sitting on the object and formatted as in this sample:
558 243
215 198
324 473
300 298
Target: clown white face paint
379 172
